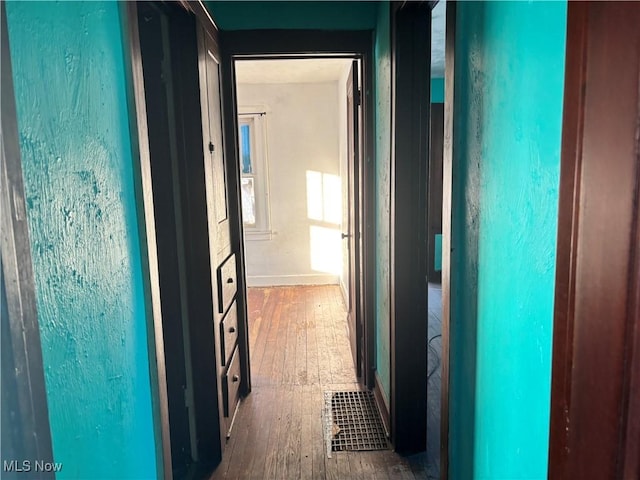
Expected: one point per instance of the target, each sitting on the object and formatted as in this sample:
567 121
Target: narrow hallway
299 349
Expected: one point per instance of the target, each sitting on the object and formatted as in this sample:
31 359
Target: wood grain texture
299 349
596 315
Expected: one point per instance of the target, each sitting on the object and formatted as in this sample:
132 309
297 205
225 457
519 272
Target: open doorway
298 148
435 231
298 145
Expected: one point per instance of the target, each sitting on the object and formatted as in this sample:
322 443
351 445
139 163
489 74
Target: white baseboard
281 280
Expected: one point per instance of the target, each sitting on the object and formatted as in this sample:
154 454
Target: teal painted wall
437 90
437 261
508 112
437 96
240 15
73 124
382 80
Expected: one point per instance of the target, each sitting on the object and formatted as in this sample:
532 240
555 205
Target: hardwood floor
434 380
299 349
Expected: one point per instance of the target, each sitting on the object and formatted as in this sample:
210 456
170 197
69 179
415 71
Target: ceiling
327 70
317 70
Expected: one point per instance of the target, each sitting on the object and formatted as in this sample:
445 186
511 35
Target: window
254 173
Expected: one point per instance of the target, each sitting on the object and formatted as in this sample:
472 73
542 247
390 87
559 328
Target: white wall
303 150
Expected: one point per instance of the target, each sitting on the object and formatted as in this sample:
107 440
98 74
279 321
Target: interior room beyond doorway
292 117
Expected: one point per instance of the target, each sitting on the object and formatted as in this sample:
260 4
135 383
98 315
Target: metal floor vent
353 422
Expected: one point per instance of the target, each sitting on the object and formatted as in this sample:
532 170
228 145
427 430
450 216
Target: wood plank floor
299 349
434 381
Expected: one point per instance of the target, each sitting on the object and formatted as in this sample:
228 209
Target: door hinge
358 98
211 147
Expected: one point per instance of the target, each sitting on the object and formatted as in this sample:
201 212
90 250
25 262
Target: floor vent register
352 422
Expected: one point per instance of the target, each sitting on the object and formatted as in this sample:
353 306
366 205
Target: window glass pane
245 148
248 201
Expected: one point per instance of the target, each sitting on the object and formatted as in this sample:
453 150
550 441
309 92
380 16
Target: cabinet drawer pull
229 280
232 329
235 378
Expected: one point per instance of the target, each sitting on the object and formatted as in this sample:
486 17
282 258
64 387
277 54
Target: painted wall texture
331 15
508 112
437 90
77 163
382 80
304 184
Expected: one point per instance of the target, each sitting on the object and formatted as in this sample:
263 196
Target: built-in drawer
228 334
226 283
231 385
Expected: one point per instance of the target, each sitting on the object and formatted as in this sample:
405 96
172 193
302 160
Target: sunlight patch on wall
324 205
326 249
324 197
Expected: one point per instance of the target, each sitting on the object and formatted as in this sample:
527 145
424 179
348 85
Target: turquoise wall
73 124
508 111
239 15
382 80
437 261
437 90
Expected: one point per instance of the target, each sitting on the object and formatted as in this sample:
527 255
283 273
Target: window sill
258 235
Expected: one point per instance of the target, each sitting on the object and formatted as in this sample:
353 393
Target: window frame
255 117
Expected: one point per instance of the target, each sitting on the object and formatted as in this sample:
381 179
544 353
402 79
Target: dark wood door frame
146 220
353 162
204 395
411 79
26 434
260 44
596 338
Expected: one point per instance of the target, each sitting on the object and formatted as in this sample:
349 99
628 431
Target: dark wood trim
232 165
597 304
411 73
368 203
630 461
347 56
147 232
296 43
569 194
383 406
28 430
447 185
199 9
307 44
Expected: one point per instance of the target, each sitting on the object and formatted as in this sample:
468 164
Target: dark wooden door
595 404
215 167
219 191
352 236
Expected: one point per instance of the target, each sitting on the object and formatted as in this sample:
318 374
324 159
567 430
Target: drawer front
231 385
226 283
228 334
